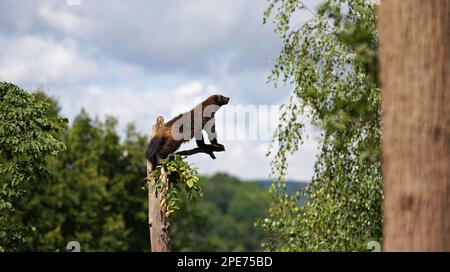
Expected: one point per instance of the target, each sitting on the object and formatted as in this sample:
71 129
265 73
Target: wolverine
186 126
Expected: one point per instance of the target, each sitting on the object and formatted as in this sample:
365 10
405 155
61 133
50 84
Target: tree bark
157 206
415 76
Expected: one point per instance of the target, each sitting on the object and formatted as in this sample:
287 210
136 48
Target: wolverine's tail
153 149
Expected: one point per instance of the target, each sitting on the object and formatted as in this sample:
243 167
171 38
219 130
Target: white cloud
191 37
64 20
36 60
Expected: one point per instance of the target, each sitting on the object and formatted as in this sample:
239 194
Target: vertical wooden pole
415 75
157 205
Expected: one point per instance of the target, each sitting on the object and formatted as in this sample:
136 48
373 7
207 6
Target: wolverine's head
218 99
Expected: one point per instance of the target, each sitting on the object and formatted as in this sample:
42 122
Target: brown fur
163 143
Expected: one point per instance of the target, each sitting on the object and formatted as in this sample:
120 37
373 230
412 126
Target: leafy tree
331 63
92 196
27 137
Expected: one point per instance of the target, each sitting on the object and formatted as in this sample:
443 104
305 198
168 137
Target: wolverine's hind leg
168 148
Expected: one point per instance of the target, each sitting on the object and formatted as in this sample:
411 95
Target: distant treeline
291 185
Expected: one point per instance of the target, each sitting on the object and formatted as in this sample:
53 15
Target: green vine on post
181 176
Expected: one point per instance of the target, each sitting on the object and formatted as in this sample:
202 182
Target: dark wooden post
157 199
157 206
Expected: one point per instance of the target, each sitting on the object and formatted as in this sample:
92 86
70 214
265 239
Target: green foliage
94 194
180 175
331 63
28 136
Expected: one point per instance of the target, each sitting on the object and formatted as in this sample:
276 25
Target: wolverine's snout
224 100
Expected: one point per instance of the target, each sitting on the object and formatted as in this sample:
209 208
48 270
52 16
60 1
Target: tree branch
207 149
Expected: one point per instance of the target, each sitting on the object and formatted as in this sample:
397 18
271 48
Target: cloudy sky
139 59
